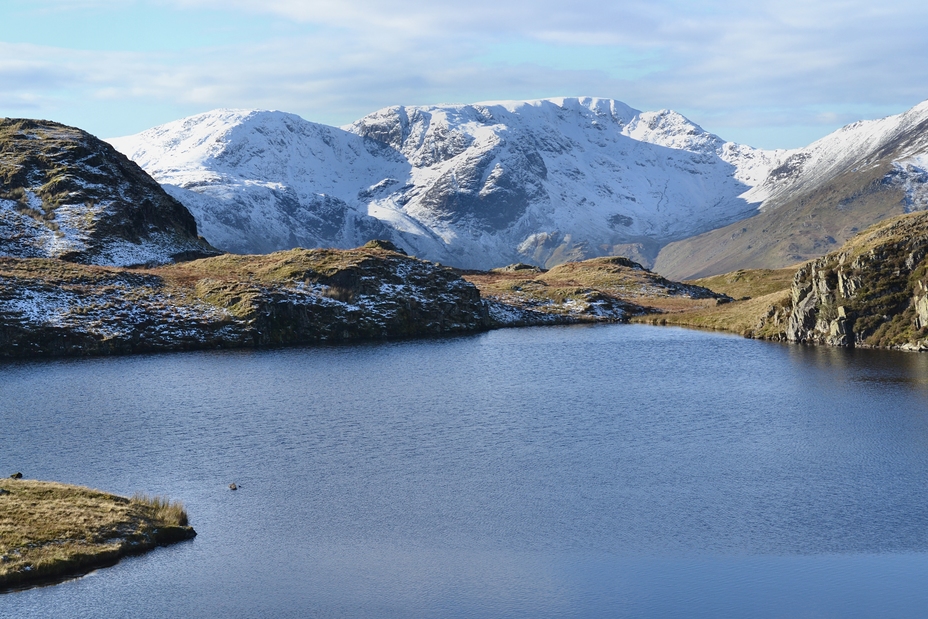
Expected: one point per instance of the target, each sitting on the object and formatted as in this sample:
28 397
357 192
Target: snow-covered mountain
263 181
474 186
901 139
545 181
816 198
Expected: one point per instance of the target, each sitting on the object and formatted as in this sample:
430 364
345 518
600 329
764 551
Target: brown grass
761 294
283 266
611 276
742 317
49 530
749 283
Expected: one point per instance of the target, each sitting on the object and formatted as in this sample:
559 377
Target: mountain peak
473 185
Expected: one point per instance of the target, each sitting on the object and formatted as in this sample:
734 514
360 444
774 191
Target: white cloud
727 64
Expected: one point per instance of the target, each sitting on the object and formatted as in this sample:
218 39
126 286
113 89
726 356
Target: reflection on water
861 365
592 471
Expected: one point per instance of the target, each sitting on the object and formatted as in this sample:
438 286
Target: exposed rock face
873 292
65 194
51 308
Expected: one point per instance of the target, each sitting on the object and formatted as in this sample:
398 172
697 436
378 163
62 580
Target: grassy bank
760 294
50 531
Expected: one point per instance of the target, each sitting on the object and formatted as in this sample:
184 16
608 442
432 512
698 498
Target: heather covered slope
65 194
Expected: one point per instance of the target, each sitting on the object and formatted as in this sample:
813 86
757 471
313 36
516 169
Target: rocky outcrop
871 293
65 194
52 308
607 289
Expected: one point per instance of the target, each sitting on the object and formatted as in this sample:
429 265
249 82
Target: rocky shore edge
870 293
53 308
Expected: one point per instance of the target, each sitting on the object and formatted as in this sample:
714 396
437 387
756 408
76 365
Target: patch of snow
157 248
912 174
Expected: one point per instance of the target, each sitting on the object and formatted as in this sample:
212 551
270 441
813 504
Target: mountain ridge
474 186
543 181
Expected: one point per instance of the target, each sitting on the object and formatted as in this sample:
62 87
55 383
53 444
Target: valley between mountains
250 228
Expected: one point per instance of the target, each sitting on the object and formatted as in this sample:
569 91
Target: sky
772 74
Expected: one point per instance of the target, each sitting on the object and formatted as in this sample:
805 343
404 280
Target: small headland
50 532
757 294
605 289
51 308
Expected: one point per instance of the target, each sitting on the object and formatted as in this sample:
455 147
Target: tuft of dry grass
49 531
162 509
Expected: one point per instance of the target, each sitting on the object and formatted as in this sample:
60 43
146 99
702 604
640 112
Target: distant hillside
65 194
818 198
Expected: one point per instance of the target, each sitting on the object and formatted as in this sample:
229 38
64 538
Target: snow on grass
157 248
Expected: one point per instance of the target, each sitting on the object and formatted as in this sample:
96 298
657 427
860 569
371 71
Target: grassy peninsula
599 289
50 531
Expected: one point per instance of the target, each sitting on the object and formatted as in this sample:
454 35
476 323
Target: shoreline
54 532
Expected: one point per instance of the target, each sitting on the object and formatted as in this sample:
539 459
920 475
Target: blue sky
770 74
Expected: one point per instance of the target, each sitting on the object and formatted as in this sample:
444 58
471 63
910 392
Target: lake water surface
610 471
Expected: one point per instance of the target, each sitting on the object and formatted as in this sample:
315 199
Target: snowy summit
482 185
